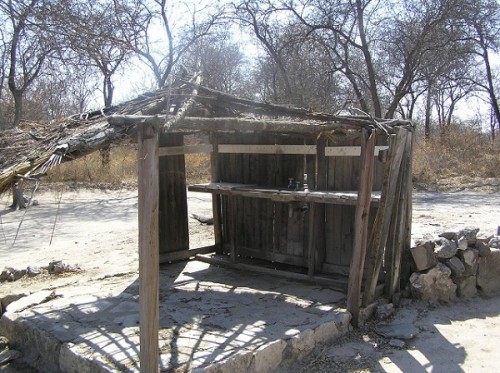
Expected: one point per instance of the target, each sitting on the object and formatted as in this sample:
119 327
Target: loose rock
463 244
483 249
470 260
456 266
487 273
466 287
57 267
494 242
384 311
470 233
452 236
398 331
433 286
423 256
397 343
445 248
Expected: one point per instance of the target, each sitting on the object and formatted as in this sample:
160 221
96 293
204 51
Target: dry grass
122 170
462 153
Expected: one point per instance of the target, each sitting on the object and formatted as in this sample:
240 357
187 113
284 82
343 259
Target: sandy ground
97 230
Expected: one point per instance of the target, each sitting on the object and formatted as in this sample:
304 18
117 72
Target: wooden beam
267 149
330 151
361 221
349 151
262 125
241 267
216 198
148 248
185 149
186 254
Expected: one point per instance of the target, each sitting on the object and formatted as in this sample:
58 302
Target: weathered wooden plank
348 198
148 215
349 151
340 285
216 198
184 149
317 232
361 226
267 149
174 233
311 246
273 256
382 222
400 230
330 151
186 254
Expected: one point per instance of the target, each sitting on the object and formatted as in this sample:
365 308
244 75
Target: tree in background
147 30
481 20
221 64
28 47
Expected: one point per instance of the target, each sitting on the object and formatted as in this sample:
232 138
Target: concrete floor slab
211 319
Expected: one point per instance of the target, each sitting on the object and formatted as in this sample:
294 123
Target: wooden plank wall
279 231
173 211
343 174
262 228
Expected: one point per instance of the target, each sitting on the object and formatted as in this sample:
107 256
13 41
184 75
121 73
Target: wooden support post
216 199
148 248
233 226
382 222
311 246
316 244
361 221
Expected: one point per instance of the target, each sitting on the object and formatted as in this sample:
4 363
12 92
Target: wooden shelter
312 196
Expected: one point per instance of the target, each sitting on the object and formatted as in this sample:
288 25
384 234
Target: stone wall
455 264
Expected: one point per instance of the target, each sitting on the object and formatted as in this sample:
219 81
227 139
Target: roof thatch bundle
28 151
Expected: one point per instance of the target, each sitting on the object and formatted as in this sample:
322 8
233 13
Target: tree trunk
18 200
491 86
428 108
18 107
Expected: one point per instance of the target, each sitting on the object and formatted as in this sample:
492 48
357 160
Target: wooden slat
330 151
216 199
186 254
272 256
184 149
148 248
267 149
349 151
361 226
174 233
283 195
340 285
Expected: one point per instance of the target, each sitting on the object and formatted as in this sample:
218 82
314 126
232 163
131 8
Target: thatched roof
28 151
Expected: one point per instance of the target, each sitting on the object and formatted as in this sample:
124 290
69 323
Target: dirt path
97 230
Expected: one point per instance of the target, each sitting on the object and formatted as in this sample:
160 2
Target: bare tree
147 30
28 49
482 23
220 62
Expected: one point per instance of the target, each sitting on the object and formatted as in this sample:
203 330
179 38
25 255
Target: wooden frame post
148 186
361 221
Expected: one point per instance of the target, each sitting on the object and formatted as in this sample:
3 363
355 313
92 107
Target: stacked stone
456 264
